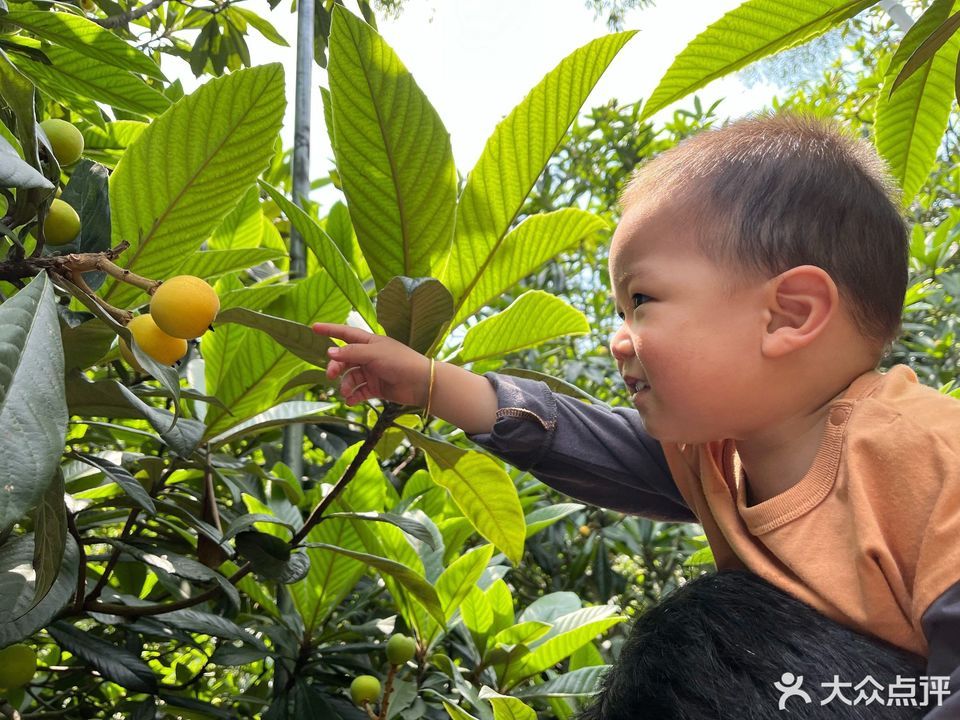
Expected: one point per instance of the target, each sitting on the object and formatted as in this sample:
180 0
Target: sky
476 59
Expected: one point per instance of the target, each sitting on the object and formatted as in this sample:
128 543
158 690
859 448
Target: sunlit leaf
910 123
393 155
533 318
481 489
514 158
173 184
752 30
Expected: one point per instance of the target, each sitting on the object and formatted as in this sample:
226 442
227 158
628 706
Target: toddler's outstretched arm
376 366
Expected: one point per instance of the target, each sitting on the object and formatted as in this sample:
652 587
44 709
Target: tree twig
115 21
391 411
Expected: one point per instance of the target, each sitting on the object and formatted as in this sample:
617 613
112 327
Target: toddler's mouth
635 384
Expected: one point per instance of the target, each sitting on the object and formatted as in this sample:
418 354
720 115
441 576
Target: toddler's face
689 343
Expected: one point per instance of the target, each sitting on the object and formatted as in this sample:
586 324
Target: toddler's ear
801 303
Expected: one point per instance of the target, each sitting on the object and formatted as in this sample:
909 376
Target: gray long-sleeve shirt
604 457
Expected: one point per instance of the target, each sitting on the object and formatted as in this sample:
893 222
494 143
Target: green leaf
752 30
393 155
410 526
550 607
332 576
412 582
507 708
513 159
569 633
113 662
50 537
122 477
33 408
174 184
21 615
18 92
246 368
577 683
205 623
296 337
182 436
533 318
209 264
14 172
85 37
477 616
328 255
414 311
481 489
522 633
106 144
88 193
85 344
71 74
545 517
456 712
456 582
260 24
294 411
271 557
703 556
910 123
930 42
188 569
526 248
241 227
500 599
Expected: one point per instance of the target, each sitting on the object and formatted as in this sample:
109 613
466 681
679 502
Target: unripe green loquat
364 689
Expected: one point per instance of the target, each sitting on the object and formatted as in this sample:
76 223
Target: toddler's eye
639 299
620 314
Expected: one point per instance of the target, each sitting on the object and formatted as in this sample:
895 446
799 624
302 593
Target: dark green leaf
33 409
182 437
247 521
85 344
19 616
209 624
50 537
269 554
408 525
88 193
114 663
122 477
415 311
14 172
232 655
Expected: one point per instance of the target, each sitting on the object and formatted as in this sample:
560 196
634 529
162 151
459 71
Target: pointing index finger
342 332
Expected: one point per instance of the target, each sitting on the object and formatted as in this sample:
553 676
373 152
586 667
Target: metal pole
898 14
293 434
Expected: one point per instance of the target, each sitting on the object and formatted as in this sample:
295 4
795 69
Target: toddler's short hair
778 191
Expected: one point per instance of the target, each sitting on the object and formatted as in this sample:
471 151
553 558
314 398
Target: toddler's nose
621 346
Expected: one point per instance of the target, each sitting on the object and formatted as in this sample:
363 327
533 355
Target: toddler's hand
375 366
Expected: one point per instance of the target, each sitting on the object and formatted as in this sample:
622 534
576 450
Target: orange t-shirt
871 535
